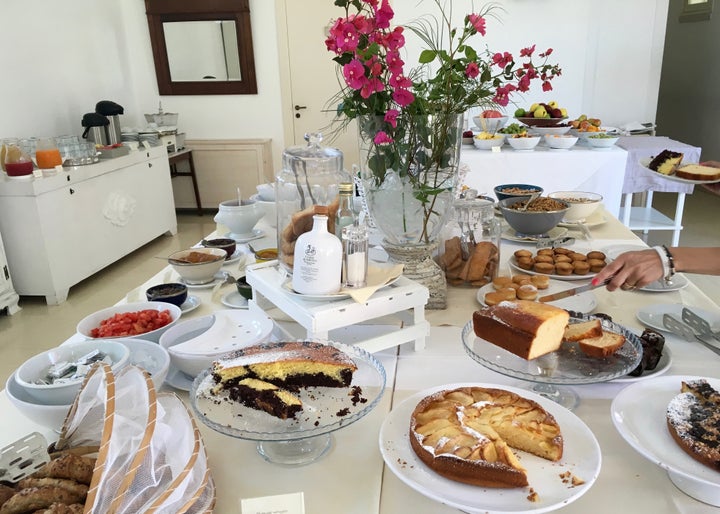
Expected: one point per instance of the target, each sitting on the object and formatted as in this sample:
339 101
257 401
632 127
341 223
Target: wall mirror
202 48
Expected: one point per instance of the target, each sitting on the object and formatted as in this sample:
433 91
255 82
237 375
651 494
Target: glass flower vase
409 183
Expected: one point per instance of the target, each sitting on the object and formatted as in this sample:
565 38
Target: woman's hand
631 270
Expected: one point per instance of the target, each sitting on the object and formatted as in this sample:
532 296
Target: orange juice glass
47 154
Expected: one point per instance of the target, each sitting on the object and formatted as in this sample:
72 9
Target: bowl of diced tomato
140 320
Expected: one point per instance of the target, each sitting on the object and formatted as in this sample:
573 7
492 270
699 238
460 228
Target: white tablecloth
639 179
352 477
578 169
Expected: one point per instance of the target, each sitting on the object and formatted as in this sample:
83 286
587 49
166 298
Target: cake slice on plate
698 172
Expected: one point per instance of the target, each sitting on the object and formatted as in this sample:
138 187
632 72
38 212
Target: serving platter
581 458
573 277
662 367
646 162
643 426
584 302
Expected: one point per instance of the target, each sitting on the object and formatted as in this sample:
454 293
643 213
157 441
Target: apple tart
468 435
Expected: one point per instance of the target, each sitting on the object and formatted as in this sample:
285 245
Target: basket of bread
123 448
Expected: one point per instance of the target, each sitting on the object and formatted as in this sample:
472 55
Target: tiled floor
39 326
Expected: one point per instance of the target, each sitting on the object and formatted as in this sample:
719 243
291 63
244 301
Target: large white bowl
50 416
195 273
560 141
85 326
192 364
543 131
523 143
488 144
582 204
602 142
149 356
490 124
64 393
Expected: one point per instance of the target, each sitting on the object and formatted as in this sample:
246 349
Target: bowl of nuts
505 191
533 217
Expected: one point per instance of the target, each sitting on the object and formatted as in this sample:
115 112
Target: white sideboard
8 296
60 229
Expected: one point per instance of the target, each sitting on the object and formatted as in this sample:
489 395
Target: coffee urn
95 124
112 112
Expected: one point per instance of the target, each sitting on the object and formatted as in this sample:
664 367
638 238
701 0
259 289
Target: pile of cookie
516 287
477 270
560 261
59 487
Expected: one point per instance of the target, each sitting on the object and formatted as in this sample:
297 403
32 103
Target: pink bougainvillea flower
502 59
374 66
400 81
372 85
546 86
346 37
527 52
472 70
383 15
502 94
524 84
382 138
478 22
547 52
403 97
396 39
391 117
354 73
394 62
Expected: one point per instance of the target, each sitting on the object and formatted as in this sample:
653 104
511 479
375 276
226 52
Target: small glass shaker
355 255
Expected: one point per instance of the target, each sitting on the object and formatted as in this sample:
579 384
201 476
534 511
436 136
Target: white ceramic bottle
318 258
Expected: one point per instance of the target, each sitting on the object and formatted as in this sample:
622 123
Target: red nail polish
595 281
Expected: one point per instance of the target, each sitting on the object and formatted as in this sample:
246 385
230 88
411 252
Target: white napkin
377 277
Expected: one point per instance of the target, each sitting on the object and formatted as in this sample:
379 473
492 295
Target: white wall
610 51
60 58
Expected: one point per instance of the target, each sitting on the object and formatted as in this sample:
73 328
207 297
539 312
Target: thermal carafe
95 124
112 112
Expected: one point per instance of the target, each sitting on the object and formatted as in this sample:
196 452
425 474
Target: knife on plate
571 292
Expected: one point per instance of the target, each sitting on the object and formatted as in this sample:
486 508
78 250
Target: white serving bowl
490 124
602 141
560 141
523 143
85 326
487 144
582 203
64 393
195 273
149 356
584 134
544 131
50 416
192 364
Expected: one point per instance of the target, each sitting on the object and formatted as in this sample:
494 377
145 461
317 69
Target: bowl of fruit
467 137
542 115
490 120
488 140
602 140
584 127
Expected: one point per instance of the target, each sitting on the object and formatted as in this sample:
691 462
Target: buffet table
580 168
353 478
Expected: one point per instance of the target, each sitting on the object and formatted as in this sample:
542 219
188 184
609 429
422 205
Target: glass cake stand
566 366
306 438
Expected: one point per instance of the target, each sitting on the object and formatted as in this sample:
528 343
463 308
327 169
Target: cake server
571 292
699 324
679 328
23 457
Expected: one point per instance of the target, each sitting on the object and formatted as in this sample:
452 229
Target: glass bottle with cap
311 175
318 258
346 213
355 254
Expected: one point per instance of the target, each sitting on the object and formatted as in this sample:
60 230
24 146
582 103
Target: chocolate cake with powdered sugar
693 419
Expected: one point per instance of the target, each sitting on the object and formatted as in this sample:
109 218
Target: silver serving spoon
529 201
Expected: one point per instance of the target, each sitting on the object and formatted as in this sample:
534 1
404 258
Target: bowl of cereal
582 204
505 191
539 216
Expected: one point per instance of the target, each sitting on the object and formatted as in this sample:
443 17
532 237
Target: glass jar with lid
311 175
470 244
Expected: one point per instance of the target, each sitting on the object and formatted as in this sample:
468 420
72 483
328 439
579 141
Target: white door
313 75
